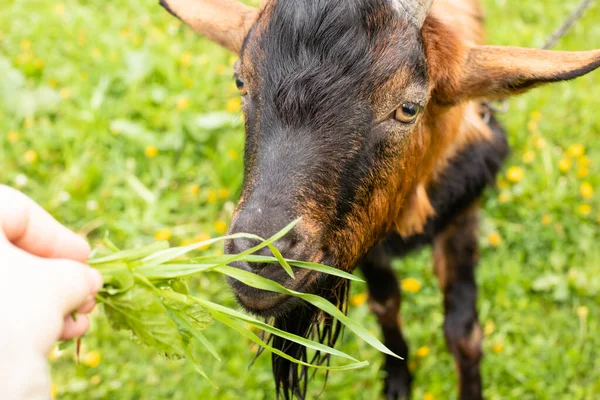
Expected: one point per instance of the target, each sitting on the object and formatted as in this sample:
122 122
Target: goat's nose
290 245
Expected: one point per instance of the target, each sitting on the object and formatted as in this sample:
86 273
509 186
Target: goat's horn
225 22
416 10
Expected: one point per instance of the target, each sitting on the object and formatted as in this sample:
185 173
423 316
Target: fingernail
95 278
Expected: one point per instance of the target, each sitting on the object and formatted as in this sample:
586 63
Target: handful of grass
146 293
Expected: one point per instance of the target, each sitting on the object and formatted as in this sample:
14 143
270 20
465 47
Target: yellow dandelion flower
163 234
212 196
546 220
138 40
65 93
187 242
194 189
411 285
59 9
412 366
359 299
39 63
28 123
221 69
233 154
583 312
515 174
559 229
502 183
234 105
92 359
186 59
489 328
532 126
53 391
564 165
95 380
30 156
494 239
183 103
13 137
124 33
528 157
498 348
422 352
151 152
536 115
540 143
223 193
428 396
504 197
220 227
584 162
587 191
203 237
584 209
55 354
25 44
52 82
576 150
582 172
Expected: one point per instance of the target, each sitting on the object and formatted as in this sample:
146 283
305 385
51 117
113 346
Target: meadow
116 117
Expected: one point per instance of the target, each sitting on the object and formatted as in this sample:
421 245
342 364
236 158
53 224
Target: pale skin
43 277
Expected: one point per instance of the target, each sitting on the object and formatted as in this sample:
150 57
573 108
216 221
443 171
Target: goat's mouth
271 304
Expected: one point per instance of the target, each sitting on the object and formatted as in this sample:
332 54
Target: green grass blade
208 345
252 258
171 271
239 327
281 260
311 344
173 253
259 282
131 255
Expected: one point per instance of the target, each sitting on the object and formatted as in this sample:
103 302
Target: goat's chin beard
295 316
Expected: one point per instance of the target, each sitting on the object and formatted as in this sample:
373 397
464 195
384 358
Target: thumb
73 283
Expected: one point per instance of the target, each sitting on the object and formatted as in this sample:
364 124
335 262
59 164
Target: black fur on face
315 145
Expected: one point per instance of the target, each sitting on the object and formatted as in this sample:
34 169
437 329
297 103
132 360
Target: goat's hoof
397 385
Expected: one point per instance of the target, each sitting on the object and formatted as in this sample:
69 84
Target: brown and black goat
364 118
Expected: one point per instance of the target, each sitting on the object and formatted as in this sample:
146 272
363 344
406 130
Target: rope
568 24
503 106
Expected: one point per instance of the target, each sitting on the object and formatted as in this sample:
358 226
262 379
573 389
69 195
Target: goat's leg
455 253
384 301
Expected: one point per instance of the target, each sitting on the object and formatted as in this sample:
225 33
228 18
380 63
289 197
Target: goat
364 117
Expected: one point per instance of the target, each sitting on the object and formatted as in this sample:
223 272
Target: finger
73 329
31 228
88 306
73 283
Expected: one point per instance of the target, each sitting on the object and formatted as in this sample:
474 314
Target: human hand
42 276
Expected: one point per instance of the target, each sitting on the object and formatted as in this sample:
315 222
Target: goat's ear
225 22
497 72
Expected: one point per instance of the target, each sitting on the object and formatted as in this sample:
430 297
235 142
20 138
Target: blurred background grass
117 118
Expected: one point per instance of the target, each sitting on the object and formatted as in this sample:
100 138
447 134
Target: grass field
116 117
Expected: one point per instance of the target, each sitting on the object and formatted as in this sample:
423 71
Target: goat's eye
408 113
240 85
